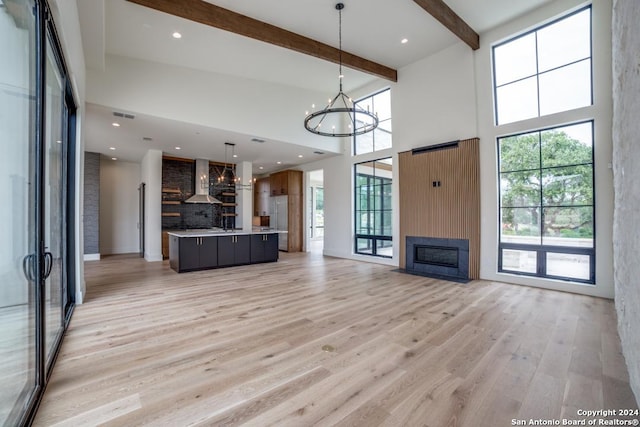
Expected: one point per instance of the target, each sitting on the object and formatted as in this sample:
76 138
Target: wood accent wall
451 210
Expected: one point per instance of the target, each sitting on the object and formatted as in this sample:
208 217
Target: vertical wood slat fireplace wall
440 197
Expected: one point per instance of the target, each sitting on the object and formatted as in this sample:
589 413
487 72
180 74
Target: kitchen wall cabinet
193 253
261 197
234 250
264 248
286 182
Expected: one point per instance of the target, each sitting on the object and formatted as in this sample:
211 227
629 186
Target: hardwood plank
244 345
102 414
447 17
544 398
582 392
215 16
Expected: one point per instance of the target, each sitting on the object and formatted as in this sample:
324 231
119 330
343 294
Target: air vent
318 152
124 115
147 138
258 140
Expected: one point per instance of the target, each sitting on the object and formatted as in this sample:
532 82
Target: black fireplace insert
437 257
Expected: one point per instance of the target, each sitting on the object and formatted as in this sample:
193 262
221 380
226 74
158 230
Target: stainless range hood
202 184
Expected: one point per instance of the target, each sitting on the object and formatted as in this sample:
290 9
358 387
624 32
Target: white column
151 172
244 171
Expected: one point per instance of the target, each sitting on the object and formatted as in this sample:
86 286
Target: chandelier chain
340 46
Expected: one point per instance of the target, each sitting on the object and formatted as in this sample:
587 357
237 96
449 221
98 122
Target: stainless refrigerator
279 219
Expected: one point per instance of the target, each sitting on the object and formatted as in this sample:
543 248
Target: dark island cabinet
264 248
193 253
234 250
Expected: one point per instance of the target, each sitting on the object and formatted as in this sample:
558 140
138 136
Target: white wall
151 175
600 111
209 99
433 102
119 183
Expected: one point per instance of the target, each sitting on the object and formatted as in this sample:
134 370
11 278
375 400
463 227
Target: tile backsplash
179 175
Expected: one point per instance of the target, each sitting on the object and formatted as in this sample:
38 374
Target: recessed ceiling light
178 148
260 168
112 148
114 158
300 156
404 41
278 163
177 35
235 156
116 124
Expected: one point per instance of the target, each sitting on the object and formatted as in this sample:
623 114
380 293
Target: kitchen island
204 249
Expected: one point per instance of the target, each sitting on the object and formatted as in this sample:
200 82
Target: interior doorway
315 211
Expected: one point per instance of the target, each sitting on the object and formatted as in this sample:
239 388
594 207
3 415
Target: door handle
28 267
48 264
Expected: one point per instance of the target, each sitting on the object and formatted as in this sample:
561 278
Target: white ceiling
371 29
196 142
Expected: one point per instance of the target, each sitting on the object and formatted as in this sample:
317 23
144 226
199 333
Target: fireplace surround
438 258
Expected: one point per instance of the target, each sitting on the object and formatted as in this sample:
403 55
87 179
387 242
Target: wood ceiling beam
447 17
215 16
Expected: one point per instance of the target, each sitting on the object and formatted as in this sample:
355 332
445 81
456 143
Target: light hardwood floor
244 345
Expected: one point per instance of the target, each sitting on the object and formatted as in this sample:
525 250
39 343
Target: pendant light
223 179
341 117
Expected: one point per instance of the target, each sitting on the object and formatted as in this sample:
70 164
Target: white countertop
217 232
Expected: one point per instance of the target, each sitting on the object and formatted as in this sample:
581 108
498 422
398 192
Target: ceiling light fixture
112 148
177 35
227 179
178 148
404 41
341 117
116 124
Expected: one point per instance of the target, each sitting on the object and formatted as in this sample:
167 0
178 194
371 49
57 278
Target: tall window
545 71
546 175
380 138
373 209
546 203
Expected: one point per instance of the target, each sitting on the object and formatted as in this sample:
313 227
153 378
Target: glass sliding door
54 206
37 120
18 210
